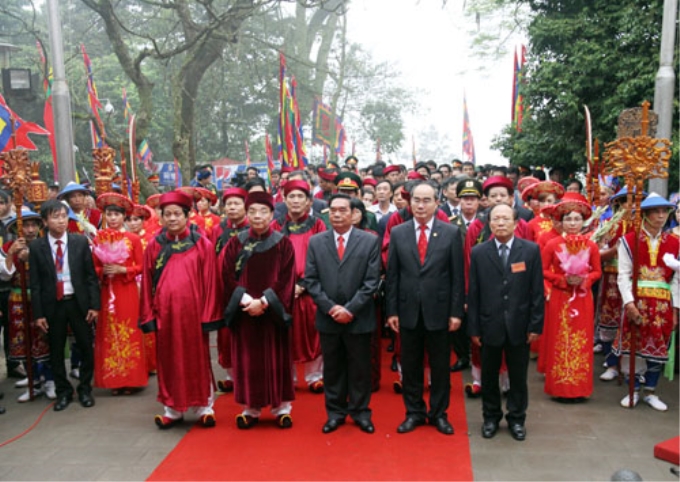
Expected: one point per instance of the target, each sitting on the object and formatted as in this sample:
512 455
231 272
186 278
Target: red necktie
59 265
422 243
341 247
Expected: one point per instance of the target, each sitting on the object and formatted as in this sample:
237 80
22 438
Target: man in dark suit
65 291
505 314
425 300
341 275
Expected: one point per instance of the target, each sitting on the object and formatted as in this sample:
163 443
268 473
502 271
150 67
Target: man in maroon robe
179 302
299 225
258 273
234 200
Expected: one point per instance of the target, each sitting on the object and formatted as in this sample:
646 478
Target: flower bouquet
111 248
575 260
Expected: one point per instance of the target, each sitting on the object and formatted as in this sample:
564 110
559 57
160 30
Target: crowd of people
499 265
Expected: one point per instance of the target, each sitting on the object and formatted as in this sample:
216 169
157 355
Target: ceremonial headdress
201 192
153 201
622 194
234 191
542 187
113 199
415 176
497 181
154 178
348 181
259 197
141 211
299 185
178 197
26 214
189 191
392 168
326 175
572 201
70 188
351 160
469 187
654 200
286 169
370 182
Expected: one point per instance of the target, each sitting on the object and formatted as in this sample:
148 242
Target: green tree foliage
601 53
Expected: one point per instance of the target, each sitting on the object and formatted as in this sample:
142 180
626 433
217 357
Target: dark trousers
413 345
460 342
347 375
4 326
68 313
517 361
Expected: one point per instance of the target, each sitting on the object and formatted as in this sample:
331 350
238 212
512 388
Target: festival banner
468 142
19 138
517 81
291 142
321 131
96 129
48 115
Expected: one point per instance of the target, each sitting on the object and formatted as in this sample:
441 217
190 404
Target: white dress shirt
65 271
428 231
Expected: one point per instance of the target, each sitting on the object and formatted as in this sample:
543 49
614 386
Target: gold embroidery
572 365
160 261
122 354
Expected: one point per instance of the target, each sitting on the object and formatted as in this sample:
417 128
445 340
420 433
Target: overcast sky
430 46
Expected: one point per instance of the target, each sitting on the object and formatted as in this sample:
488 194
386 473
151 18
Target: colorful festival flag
145 155
270 159
321 128
468 142
517 81
48 115
126 105
19 138
291 143
97 130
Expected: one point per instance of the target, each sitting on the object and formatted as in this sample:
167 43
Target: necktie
59 266
504 254
341 247
422 243
454 211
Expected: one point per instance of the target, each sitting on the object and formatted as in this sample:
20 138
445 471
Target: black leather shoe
410 424
442 425
489 429
460 365
365 425
518 431
394 366
332 425
62 403
86 399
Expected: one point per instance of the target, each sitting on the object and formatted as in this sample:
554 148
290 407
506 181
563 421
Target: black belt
67 297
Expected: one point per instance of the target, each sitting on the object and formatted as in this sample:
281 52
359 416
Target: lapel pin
434 234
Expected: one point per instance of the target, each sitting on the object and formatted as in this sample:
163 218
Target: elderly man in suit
425 300
65 292
505 314
341 275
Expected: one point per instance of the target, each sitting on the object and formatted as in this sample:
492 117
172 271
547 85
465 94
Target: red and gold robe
655 298
568 329
119 354
182 309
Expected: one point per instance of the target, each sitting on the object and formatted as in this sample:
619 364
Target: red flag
48 116
17 137
270 159
468 143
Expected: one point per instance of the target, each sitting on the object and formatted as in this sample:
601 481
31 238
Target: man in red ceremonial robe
234 200
299 225
179 302
258 270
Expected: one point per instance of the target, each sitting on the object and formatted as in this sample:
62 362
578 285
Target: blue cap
26 214
623 193
656 201
203 175
72 187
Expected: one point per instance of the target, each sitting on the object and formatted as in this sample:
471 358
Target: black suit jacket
437 287
505 304
43 279
350 282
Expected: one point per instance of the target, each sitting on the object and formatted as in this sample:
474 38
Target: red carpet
267 452
668 451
